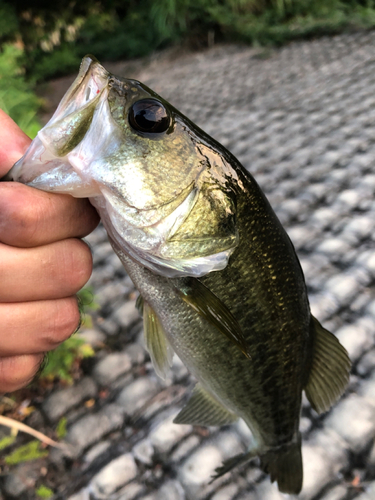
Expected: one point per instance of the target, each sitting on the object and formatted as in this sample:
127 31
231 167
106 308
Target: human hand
43 264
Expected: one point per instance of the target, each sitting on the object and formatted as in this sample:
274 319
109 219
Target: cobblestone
197 468
89 429
127 314
355 427
324 455
337 493
24 478
369 494
167 434
367 363
60 402
136 395
129 492
95 338
226 493
111 367
357 338
172 490
114 475
144 451
95 452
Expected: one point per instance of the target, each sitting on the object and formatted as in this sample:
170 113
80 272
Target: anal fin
330 368
204 409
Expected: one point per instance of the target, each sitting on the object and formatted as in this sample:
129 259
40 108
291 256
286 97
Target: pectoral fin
204 409
210 307
161 352
329 374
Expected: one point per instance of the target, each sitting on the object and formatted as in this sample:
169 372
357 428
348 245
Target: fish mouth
45 164
92 78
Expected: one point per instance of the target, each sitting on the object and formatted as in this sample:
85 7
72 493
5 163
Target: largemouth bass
219 280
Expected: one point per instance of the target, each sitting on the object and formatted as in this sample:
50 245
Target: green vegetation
61 428
44 492
16 94
25 453
6 441
63 362
54 39
39 42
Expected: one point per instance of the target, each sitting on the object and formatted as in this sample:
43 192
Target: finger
18 371
13 143
52 271
39 326
29 217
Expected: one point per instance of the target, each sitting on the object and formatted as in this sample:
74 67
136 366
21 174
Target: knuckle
20 224
86 217
18 371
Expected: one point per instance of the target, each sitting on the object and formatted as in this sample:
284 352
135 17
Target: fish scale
219 280
273 347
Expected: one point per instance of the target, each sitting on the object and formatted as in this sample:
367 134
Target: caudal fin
284 465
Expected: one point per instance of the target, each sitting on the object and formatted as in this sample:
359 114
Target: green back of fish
264 288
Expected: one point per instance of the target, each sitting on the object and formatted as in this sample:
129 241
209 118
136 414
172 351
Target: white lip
40 166
91 80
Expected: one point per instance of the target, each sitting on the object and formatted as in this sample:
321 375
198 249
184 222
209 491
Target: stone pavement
302 120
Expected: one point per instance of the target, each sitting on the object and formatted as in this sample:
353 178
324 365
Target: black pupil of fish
149 115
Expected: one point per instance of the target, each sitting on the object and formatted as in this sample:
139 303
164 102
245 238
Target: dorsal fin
330 368
160 350
203 409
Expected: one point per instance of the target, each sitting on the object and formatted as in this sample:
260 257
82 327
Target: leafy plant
64 361
6 441
87 300
25 453
61 428
8 21
17 98
44 492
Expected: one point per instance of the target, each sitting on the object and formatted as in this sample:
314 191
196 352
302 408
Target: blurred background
41 40
289 87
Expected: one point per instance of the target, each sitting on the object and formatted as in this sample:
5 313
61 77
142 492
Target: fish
219 280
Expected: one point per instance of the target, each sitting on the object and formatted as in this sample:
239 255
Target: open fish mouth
46 164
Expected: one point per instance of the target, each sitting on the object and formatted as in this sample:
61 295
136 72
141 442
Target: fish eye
150 116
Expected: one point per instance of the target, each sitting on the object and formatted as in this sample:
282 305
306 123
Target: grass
43 492
25 453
